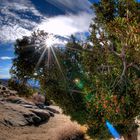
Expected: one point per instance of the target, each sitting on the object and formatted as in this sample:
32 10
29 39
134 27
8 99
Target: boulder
43 115
16 115
16 111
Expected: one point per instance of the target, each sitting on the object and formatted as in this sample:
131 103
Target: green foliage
28 51
21 88
63 90
113 68
71 103
95 83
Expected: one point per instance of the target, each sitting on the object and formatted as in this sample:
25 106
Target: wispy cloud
73 5
6 58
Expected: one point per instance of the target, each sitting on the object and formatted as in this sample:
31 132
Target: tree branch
123 57
113 51
134 66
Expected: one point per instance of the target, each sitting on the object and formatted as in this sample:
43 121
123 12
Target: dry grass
69 131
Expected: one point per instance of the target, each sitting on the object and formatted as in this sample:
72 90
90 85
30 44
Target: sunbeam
58 63
40 59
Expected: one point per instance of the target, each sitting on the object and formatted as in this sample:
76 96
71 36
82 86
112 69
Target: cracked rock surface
16 111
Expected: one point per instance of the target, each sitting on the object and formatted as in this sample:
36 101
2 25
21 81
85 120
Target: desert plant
21 88
69 131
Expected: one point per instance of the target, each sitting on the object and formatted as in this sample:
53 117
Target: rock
12 115
13 93
5 92
32 119
51 114
16 111
43 115
51 109
17 115
40 105
3 88
29 106
18 100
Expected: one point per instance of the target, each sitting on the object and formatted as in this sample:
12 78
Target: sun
50 41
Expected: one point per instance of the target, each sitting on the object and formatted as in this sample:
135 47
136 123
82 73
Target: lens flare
112 130
79 83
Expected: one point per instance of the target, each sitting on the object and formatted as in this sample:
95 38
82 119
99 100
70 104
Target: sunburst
48 44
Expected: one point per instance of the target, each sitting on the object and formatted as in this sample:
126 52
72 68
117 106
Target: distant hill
4 82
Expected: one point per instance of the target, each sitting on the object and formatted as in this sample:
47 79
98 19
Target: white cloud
24 5
67 24
9 33
6 58
13 26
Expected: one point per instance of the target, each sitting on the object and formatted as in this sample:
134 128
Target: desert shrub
22 89
69 131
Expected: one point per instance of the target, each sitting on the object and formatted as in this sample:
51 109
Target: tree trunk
131 136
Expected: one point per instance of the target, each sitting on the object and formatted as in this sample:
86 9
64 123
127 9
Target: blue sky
6 55
21 17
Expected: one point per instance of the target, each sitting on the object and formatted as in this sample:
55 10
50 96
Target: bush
22 89
72 103
69 131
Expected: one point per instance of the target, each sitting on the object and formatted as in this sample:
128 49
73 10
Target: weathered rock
32 119
29 106
16 111
12 115
18 100
5 92
16 115
44 115
51 109
51 114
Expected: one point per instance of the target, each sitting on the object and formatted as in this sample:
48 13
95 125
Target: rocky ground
21 119
24 120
